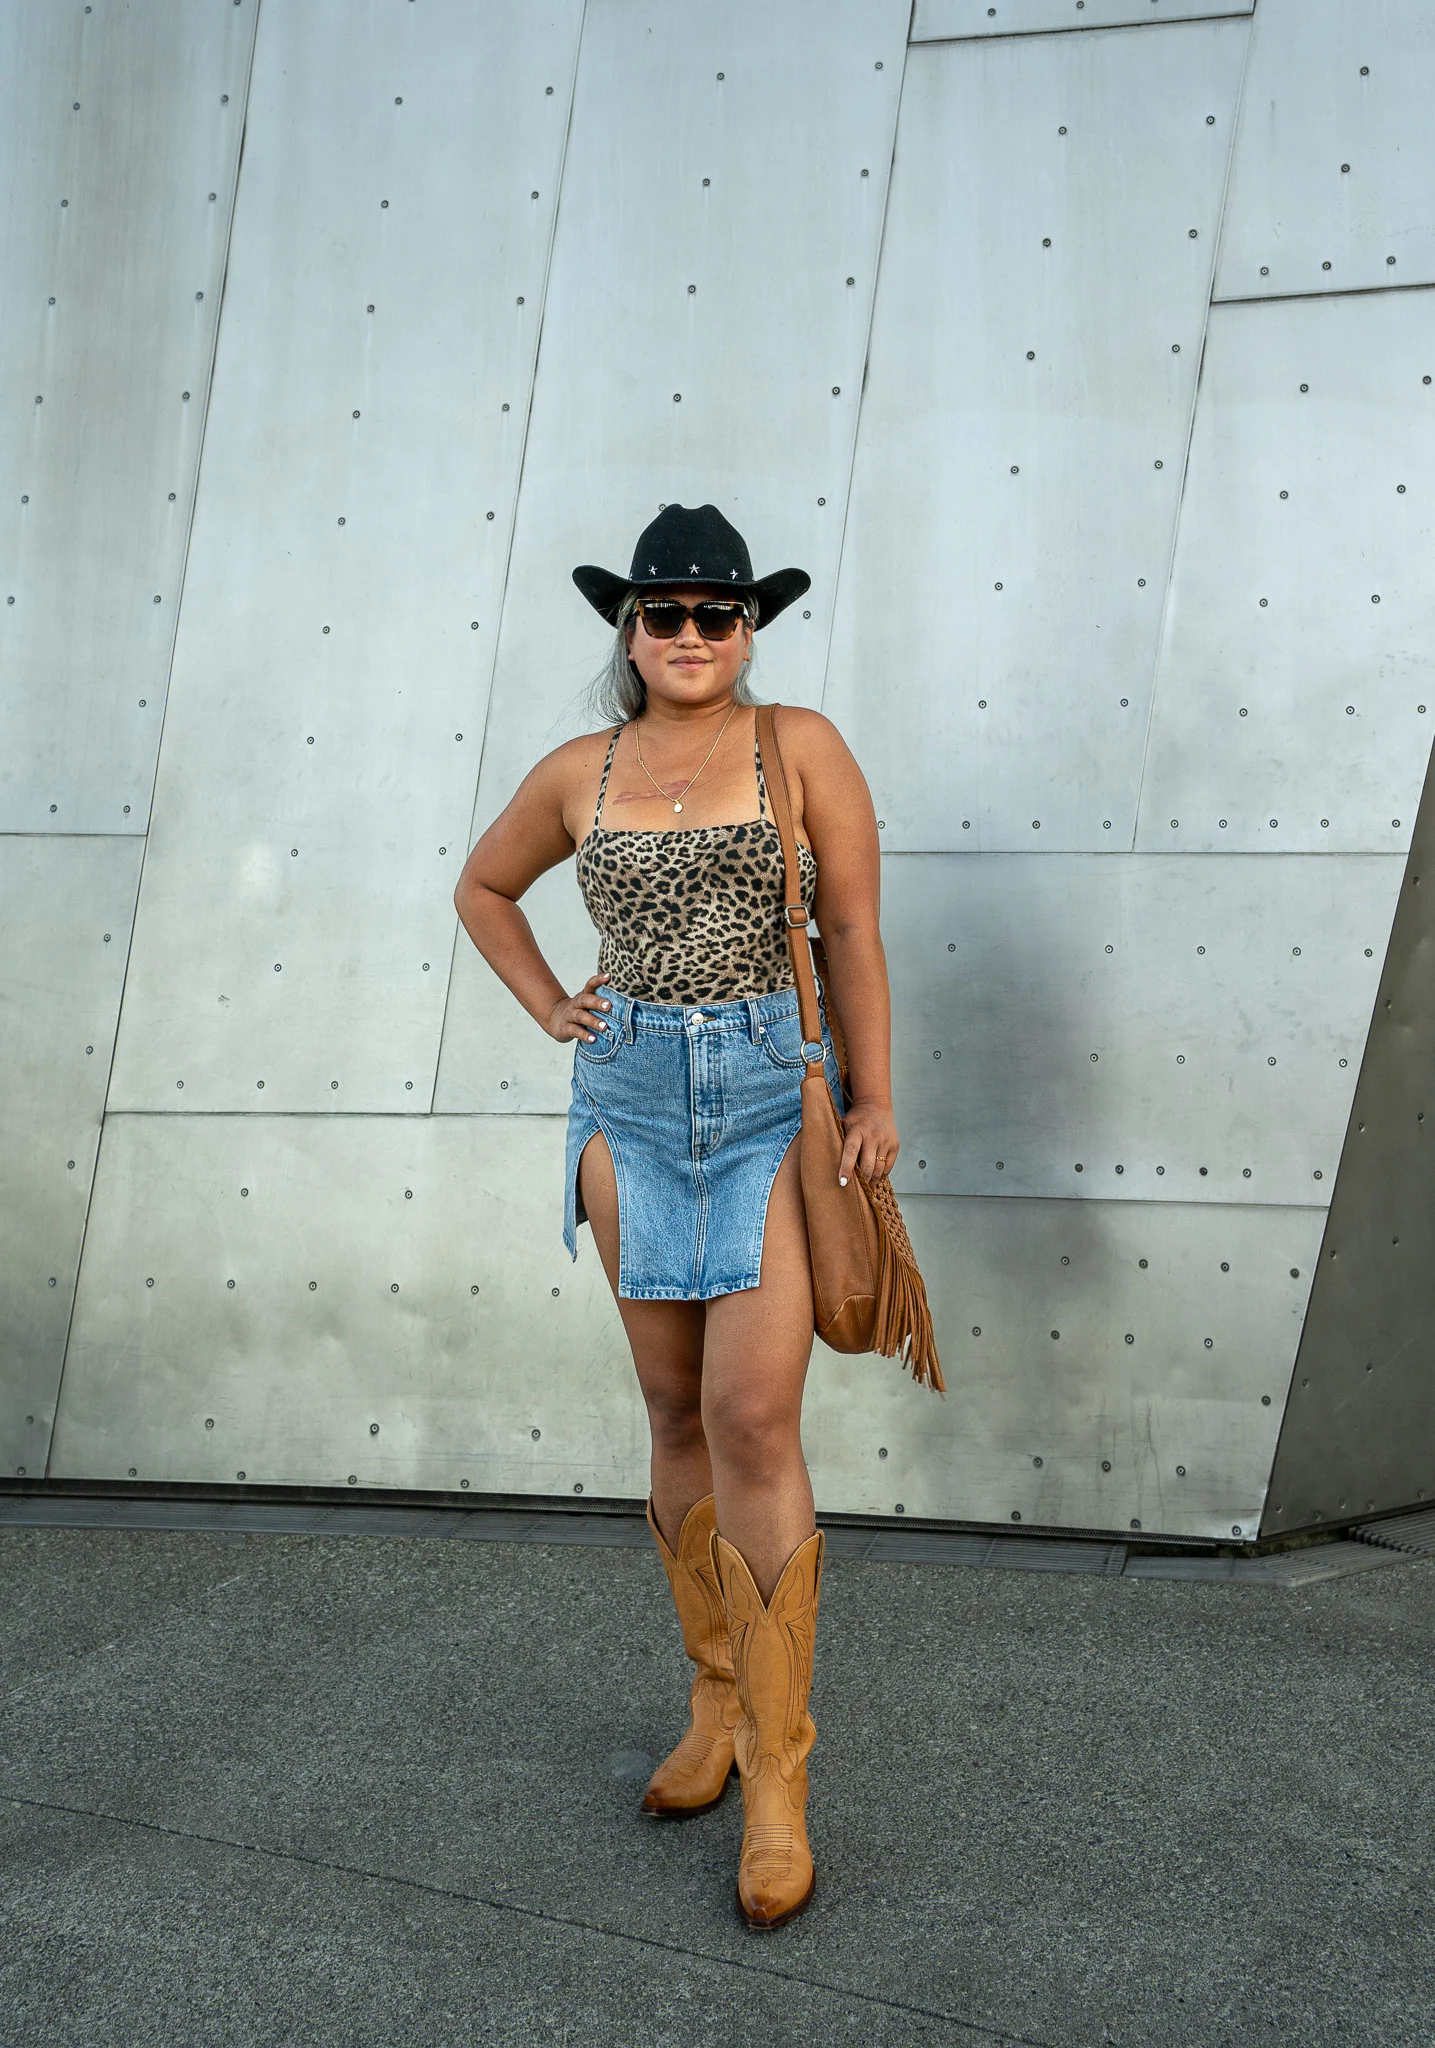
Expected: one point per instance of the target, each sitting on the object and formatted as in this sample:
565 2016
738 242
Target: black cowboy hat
686 545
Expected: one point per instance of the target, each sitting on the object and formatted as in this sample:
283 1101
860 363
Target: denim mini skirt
699 1105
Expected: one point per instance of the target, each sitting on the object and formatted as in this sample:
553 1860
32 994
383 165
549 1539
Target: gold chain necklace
677 806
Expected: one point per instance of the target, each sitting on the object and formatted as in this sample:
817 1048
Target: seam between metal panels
159 740
1352 291
1095 28
855 443
512 530
1218 241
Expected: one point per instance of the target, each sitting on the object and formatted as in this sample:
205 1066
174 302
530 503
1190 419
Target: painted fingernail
601 1025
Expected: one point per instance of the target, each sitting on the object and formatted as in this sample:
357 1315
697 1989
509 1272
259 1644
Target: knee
748 1431
675 1416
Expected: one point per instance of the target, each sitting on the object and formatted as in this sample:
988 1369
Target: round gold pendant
677 807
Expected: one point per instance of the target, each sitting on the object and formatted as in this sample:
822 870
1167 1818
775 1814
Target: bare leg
667 1343
758 1343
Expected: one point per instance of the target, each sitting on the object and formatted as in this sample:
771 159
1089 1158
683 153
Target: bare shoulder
567 778
812 742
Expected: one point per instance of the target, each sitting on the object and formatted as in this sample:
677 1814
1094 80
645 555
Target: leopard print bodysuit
691 916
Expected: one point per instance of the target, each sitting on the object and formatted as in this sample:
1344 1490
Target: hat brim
606 591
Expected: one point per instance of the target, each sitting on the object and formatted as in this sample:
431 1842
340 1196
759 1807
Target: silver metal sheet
119 143
1296 695
1335 153
1172 1030
294 1376
1018 1270
494 1057
1011 520
65 912
361 460
296 1281
704 330
1359 1436
945 20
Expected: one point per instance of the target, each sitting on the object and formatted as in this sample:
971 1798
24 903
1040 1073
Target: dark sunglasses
663 617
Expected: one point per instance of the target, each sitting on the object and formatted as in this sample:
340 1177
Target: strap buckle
796 915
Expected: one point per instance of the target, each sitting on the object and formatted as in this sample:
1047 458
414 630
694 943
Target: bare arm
527 838
839 820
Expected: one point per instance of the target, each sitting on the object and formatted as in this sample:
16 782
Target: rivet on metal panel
373 1429
707 181
1140 582
1192 233
976 1329
1175 824
1180 1471
1134 1523
353 1478
1210 120
966 827
1245 1173
1265 1400
394 1288
691 289
209 1422
1325 266
1106 824
1121 1169
1368 953
505 405
134 1472
923 1164
882 1451
548 90
1061 131
463 1483
837 391
1285 494
1001 1164
229 1283
1111 949
1160 465
1345 167
555 1290
1209 1342
520 299
1305 387
1079 1167
1130 1337
1046 241
851 280
1106 1464
1066 1259
1175 348
1014 470
1318 1174
1375 598
473 1290
1055 1335
822 501
577 1486
1036 824
951 945
1222 823
807 615
677 398
1265 270
240 1475
1016 1514
313 1286
1031 355
864 174
1400 490
1036 1461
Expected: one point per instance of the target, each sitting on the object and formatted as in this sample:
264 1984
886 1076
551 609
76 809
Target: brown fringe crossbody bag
867 1292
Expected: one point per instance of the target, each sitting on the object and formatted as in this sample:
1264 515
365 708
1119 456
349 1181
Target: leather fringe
903 1318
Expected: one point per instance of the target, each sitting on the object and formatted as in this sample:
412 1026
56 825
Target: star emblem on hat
694 571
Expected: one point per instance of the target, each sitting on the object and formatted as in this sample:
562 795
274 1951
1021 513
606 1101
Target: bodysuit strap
603 785
761 785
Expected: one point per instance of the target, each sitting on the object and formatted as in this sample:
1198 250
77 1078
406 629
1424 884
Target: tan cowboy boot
695 1776
772 1649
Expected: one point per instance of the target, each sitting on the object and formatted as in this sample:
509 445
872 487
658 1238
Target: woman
685 1108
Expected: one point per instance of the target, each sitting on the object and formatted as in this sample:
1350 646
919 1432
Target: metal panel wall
65 911
1359 1434
1177 1030
119 144
705 328
939 20
343 1300
1330 187
1296 695
361 462
1118 1342
1020 456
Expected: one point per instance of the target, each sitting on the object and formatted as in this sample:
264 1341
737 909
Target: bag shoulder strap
794 910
